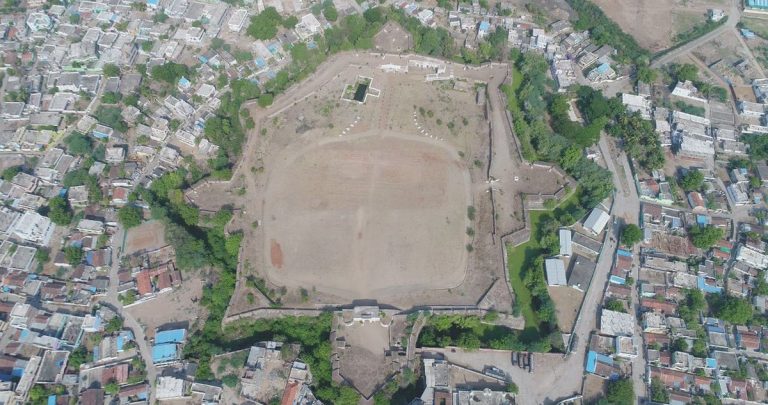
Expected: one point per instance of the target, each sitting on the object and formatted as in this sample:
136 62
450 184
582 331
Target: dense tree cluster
59 211
111 117
264 25
470 332
704 237
693 180
737 311
631 234
170 72
604 31
639 139
130 216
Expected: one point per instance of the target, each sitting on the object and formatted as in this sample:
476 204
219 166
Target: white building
34 228
596 221
751 257
555 272
566 247
237 20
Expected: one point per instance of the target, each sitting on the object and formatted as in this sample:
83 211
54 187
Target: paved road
111 300
734 15
627 208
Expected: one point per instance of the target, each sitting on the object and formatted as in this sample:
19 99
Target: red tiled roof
143 283
290 393
117 372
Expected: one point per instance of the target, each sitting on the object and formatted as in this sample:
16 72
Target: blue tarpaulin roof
625 253
164 352
51 399
709 289
594 357
170 336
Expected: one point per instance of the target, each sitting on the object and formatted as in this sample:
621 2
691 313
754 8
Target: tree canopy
735 310
59 211
620 392
111 70
631 234
170 72
130 216
704 237
692 181
264 25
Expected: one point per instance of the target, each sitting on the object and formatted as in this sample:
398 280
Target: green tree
659 392
78 144
266 99
290 22
631 234
692 181
646 74
347 396
685 72
230 380
130 216
114 325
73 255
112 387
735 310
11 172
616 305
264 25
170 72
705 237
111 70
679 345
59 211
329 12
77 357
620 392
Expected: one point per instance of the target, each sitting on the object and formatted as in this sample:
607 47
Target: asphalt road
734 15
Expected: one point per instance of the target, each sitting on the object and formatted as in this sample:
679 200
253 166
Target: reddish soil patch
276 254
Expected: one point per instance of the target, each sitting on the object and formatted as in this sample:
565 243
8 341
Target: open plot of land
364 362
345 200
357 217
145 237
567 302
655 23
176 307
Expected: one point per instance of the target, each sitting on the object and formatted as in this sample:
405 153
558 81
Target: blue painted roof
625 253
260 62
603 68
702 219
164 352
153 2
617 280
311 45
170 336
709 289
757 3
594 357
711 363
51 399
184 81
485 26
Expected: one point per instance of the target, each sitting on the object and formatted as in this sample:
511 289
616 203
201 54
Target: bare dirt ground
567 301
363 362
176 307
724 53
147 236
428 143
356 216
393 38
654 23
594 388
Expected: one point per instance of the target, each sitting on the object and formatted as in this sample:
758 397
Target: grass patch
522 257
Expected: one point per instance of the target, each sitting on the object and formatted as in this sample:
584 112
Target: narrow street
111 300
627 207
